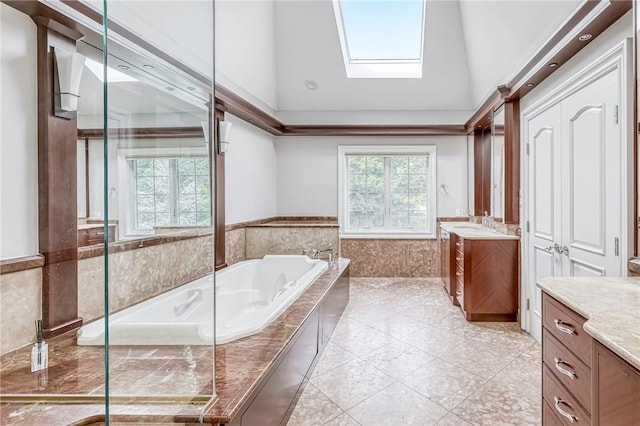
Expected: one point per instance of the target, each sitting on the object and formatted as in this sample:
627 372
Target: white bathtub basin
249 295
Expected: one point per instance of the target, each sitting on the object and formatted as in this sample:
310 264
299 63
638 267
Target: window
381 39
387 191
167 186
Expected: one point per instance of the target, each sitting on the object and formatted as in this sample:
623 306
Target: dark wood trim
62 328
17 264
143 133
57 187
219 225
482 170
228 101
512 162
376 130
540 71
482 117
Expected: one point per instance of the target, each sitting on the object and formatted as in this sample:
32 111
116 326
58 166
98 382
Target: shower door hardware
616 242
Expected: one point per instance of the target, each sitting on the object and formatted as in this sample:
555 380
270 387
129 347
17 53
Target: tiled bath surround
392 258
137 275
21 299
280 235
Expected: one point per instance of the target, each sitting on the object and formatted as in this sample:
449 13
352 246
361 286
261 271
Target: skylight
381 38
113 76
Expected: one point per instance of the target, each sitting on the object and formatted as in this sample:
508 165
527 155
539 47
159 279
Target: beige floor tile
351 383
433 340
343 420
493 405
482 362
333 356
444 383
521 375
313 408
397 405
346 324
511 344
533 354
397 325
398 359
453 420
362 340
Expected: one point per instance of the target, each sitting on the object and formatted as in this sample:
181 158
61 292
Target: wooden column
219 226
57 188
512 161
482 171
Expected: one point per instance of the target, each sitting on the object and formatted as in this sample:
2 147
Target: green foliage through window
387 192
171 192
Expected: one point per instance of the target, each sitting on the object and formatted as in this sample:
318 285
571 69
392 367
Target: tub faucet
329 250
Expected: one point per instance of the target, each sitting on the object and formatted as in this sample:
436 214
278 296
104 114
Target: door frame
618 59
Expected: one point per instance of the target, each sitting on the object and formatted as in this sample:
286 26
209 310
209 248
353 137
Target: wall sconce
69 66
223 138
205 131
443 188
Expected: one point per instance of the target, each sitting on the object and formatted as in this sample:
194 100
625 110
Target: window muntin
170 191
387 193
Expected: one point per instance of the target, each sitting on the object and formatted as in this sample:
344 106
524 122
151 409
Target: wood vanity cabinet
447 259
583 382
616 387
95 235
485 273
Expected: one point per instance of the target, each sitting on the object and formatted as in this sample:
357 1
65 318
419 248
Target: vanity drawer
549 417
567 368
567 326
561 402
460 291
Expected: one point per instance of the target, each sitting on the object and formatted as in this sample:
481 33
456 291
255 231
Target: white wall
181 28
308 172
246 50
250 174
18 136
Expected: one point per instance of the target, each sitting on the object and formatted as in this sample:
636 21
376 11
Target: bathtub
249 295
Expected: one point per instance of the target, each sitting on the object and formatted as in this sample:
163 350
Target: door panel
586 162
544 211
582 269
591 178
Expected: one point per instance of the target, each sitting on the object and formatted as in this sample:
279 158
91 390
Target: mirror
159 179
497 164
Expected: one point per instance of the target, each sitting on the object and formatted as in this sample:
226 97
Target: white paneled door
573 169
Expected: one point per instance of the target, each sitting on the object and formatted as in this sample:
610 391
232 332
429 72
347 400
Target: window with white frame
387 191
165 190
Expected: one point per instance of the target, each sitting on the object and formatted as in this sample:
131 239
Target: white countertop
475 231
611 306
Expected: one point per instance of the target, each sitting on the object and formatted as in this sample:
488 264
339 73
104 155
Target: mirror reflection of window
159 177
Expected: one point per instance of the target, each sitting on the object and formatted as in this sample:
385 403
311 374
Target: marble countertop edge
593 297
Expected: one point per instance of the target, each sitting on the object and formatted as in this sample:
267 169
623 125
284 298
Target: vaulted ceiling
470 47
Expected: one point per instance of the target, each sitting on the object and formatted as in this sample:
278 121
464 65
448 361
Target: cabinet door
617 390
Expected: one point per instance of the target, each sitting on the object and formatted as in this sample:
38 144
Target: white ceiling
471 46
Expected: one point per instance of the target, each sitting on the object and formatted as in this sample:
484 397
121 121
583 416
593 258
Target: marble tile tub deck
403 355
163 375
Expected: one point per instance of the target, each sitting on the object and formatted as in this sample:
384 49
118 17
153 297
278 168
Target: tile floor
403 355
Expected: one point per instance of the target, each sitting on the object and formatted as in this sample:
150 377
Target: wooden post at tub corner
57 187
219 226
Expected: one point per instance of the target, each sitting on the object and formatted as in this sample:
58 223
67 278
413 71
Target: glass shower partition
156 204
